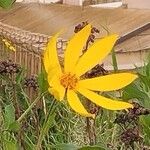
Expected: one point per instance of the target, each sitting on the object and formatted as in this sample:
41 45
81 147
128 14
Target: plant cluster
31 82
42 122
8 67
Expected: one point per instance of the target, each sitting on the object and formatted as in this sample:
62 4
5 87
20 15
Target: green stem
44 128
114 60
30 107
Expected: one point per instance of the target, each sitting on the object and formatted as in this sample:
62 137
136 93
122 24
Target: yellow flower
67 81
8 44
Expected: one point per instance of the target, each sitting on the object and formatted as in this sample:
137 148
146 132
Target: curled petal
75 47
95 54
76 105
103 101
108 82
57 92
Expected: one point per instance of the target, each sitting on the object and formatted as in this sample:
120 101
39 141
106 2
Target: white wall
73 2
145 4
41 1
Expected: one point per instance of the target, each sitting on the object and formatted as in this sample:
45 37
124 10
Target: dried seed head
8 67
91 37
132 115
98 70
31 82
130 135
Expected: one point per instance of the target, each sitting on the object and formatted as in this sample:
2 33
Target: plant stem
44 128
16 104
114 60
30 107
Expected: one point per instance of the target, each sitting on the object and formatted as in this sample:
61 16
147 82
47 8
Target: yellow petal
56 88
54 81
103 101
12 48
51 62
3 40
96 53
75 47
76 105
57 92
108 82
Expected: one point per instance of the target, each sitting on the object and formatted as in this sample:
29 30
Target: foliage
53 125
140 91
39 122
6 3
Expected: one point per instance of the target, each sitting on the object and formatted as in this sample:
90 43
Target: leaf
15 126
46 126
49 123
132 91
145 79
92 148
28 142
43 84
10 145
6 3
20 76
9 142
65 146
147 69
9 115
145 122
114 60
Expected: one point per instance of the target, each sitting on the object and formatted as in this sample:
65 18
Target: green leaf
114 60
6 3
145 79
28 142
147 69
9 142
145 122
20 76
15 126
65 146
92 148
49 123
132 91
42 81
10 145
9 115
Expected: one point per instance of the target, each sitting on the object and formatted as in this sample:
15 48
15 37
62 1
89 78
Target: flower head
67 80
9 45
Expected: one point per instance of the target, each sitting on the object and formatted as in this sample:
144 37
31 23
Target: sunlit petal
108 82
51 62
103 101
76 105
58 92
96 53
56 88
54 81
75 47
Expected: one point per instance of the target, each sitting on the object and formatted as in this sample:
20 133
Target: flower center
68 81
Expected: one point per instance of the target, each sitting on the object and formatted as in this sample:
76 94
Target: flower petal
56 88
108 82
51 62
76 105
103 101
57 92
74 48
98 51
